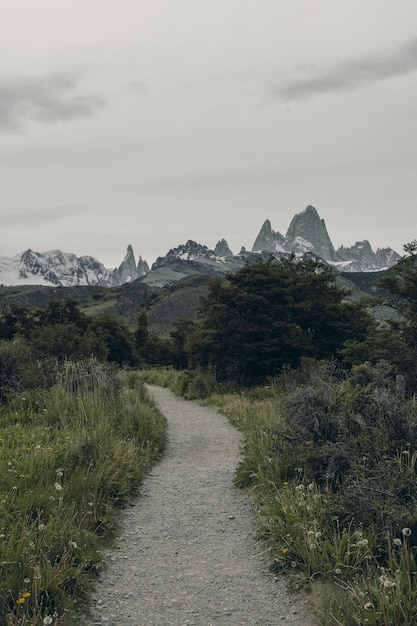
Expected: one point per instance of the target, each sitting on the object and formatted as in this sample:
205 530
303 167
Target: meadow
72 455
330 456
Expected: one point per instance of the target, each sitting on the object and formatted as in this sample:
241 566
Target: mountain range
307 235
63 269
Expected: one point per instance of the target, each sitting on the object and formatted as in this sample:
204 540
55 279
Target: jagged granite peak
127 270
268 239
309 226
307 235
361 258
360 251
184 252
386 257
142 267
222 249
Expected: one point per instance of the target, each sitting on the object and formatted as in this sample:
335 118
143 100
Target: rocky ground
187 552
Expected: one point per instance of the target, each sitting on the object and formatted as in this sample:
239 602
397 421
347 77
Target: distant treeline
250 325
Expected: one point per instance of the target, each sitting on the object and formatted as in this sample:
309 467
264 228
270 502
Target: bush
19 370
352 435
196 384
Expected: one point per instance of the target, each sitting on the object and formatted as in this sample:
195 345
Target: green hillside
163 304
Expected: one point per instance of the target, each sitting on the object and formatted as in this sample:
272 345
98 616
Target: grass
331 460
70 458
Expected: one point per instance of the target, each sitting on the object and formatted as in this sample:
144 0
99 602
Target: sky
151 122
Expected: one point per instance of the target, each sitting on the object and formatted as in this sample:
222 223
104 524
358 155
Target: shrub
20 370
351 435
196 384
333 469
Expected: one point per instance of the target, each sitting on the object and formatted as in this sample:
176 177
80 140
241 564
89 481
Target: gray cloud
137 86
353 73
48 99
36 216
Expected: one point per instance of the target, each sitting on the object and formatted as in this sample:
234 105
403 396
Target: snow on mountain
65 269
306 235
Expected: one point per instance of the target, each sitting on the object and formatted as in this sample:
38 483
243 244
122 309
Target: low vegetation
324 395
330 455
71 456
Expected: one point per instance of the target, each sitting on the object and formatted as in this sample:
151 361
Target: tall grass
70 457
331 458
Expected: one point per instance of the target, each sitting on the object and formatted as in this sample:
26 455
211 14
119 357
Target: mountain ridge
65 269
306 235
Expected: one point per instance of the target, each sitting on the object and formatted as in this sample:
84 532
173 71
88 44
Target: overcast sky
152 122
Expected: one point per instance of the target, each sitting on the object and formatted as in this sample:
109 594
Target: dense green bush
62 331
19 370
354 436
196 384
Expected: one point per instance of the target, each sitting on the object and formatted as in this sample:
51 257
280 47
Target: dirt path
187 553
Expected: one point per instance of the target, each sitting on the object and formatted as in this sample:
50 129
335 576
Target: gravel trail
187 552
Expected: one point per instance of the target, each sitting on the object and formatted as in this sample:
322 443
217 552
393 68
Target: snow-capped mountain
192 258
307 235
65 269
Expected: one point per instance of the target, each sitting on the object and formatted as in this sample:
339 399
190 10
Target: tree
16 320
65 313
400 335
271 314
117 339
180 335
141 332
401 282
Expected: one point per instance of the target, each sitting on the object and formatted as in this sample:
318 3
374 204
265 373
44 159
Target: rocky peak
222 249
387 257
309 226
184 252
65 269
62 268
127 270
361 258
142 268
268 239
360 251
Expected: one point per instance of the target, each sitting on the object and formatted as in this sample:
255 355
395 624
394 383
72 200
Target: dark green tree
65 341
67 312
399 343
141 332
16 320
271 314
117 338
151 349
401 282
181 334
